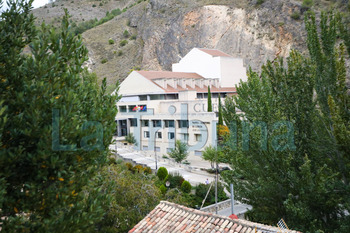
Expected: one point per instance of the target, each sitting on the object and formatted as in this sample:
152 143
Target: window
122 109
171 135
185 137
145 123
143 97
132 108
133 122
198 153
169 124
183 123
157 148
198 137
159 134
146 134
156 97
144 147
157 123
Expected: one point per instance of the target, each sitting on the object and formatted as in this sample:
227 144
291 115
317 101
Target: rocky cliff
166 30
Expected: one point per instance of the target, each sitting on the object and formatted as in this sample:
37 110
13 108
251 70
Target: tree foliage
290 149
56 125
210 106
180 152
134 195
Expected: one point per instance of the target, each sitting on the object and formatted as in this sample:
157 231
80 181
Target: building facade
160 107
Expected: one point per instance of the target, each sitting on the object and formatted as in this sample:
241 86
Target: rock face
255 34
167 30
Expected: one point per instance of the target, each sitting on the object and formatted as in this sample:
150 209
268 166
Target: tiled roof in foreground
170 218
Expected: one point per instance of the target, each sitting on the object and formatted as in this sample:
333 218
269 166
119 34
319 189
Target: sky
36 3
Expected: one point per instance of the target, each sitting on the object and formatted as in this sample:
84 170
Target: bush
104 60
101 4
186 186
175 180
139 168
133 37
129 166
162 189
259 2
111 41
307 3
120 53
130 139
94 5
126 33
162 173
123 43
295 15
148 170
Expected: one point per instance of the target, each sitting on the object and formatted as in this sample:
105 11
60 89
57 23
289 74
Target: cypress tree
221 121
210 107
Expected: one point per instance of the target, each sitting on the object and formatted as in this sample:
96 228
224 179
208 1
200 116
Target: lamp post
155 151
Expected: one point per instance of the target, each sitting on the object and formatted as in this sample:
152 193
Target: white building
159 107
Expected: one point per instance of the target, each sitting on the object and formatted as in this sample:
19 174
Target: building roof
168 74
170 217
215 52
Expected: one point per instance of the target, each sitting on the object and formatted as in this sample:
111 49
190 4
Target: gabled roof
215 52
173 218
168 74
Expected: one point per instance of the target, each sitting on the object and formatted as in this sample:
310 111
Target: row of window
133 108
171 135
158 123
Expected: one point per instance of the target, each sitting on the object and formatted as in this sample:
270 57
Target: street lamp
155 151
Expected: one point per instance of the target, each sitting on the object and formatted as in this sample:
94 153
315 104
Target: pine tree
210 107
56 124
290 147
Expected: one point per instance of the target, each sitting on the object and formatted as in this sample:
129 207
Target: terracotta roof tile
167 74
170 217
215 52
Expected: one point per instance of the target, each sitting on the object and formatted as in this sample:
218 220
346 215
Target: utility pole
155 150
232 198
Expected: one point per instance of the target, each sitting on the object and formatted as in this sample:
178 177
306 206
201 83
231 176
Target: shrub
112 161
129 166
120 53
186 186
130 138
139 168
133 37
307 3
148 170
101 4
94 5
162 189
295 15
111 41
126 33
123 43
162 173
104 60
175 180
259 2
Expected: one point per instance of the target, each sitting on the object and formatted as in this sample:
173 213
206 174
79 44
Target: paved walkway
191 173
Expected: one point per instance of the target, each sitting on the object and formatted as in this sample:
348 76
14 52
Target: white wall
232 71
199 62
